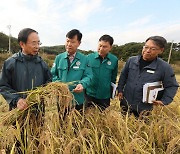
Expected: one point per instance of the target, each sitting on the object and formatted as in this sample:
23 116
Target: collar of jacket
77 56
153 65
19 56
97 55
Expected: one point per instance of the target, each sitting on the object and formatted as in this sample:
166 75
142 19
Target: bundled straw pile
54 95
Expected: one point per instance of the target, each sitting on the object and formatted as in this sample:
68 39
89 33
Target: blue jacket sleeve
10 95
170 85
47 73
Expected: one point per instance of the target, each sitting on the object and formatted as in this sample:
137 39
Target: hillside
4 46
123 52
4 43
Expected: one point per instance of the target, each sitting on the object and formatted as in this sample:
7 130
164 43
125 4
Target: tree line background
123 52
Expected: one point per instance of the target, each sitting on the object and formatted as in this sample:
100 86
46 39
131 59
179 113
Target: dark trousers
127 109
102 103
67 110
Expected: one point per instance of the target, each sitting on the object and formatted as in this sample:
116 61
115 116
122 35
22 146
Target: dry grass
109 131
176 68
3 57
49 59
93 131
54 93
178 78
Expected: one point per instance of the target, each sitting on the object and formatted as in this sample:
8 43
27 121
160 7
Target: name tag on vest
151 71
75 67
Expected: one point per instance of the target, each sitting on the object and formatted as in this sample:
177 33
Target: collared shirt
101 58
71 57
143 63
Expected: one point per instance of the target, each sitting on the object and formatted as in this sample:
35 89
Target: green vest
104 73
78 72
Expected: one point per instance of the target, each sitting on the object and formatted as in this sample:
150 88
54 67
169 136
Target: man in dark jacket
23 71
146 68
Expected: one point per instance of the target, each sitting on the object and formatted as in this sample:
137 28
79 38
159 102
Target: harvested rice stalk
54 93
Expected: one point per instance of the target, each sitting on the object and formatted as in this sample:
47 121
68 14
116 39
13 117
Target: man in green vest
104 68
71 66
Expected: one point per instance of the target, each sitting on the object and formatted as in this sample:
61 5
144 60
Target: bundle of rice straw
54 94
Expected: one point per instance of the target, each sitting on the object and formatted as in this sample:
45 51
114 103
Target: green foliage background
123 52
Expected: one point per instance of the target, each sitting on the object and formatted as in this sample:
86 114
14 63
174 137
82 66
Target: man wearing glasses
146 68
24 71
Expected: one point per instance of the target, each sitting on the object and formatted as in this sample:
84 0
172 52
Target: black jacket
132 80
20 73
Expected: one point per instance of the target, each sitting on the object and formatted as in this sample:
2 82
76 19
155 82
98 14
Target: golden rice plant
109 131
54 93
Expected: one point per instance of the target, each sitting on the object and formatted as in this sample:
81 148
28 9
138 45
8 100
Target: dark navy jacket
131 82
20 73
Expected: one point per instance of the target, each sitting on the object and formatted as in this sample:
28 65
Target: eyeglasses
150 48
35 43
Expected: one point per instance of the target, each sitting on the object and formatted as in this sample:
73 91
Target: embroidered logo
109 62
78 63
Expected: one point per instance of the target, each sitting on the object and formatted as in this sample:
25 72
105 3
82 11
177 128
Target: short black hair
24 33
107 38
158 40
73 33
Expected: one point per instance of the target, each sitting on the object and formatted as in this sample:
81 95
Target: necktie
69 63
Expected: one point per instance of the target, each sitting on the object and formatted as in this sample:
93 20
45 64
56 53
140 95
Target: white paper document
114 86
153 94
151 90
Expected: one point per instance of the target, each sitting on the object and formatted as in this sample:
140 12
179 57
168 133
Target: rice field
91 131
178 78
